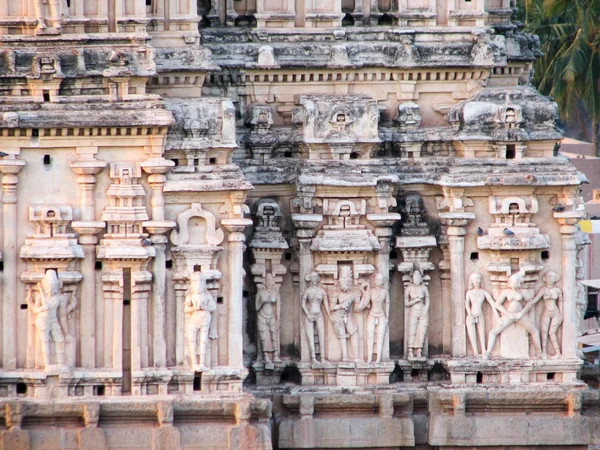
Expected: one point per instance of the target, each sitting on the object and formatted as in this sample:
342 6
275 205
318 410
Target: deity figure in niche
552 316
416 302
342 315
514 313
267 302
474 301
199 306
378 303
312 299
49 308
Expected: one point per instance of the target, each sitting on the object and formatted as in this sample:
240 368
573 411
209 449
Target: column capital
236 228
567 220
10 167
87 167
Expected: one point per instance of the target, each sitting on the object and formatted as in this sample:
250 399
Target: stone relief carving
377 300
313 297
199 308
552 312
515 313
416 302
50 309
183 236
343 301
409 117
474 300
49 13
267 304
580 290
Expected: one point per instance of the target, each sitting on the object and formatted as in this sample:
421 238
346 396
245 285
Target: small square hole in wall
287 154
212 161
98 265
99 390
23 305
176 161
288 256
46 95
197 381
219 300
479 378
550 376
245 294
474 256
511 151
1 266
169 264
545 255
47 160
393 254
197 268
21 388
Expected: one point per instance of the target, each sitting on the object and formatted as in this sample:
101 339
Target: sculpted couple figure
514 312
340 309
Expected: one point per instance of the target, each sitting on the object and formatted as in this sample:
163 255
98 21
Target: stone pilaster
10 169
456 223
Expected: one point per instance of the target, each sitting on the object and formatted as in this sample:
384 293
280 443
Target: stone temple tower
260 224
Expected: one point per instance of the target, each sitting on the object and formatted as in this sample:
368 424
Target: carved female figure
552 316
378 302
474 300
416 302
48 308
514 313
267 301
312 299
342 316
199 305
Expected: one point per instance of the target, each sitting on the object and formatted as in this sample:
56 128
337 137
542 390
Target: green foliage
569 71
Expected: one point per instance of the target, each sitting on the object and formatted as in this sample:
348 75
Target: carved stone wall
284 224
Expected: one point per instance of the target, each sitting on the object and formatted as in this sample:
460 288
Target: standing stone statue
342 315
267 302
416 302
514 313
199 306
48 309
378 302
552 316
474 300
312 299
48 12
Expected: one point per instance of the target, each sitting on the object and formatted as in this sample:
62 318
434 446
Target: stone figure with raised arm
342 316
378 303
199 306
416 303
267 302
513 313
552 314
474 300
48 309
313 297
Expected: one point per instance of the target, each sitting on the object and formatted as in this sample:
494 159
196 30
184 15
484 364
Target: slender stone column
456 223
446 278
235 280
568 231
10 168
88 227
306 224
180 289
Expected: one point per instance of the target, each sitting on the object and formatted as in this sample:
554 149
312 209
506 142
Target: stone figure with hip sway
552 314
513 313
344 299
49 308
267 302
474 300
199 306
378 303
314 296
416 302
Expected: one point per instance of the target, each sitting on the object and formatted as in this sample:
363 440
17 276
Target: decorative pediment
209 234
